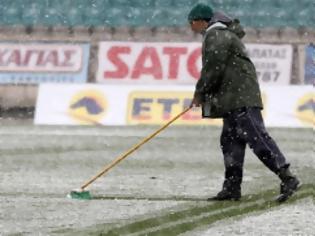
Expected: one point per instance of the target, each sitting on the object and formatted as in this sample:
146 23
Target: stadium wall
22 95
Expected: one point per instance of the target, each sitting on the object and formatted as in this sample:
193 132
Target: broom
81 193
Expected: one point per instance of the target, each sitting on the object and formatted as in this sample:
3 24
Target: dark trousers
246 126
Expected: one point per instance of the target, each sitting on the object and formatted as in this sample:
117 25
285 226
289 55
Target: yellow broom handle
131 150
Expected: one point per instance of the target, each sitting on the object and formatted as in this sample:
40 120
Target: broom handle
131 150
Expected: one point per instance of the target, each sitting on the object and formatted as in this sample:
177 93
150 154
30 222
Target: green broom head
80 194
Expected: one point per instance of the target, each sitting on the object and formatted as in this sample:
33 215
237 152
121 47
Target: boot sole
223 199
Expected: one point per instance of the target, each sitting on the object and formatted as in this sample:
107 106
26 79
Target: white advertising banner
80 104
289 106
92 104
36 62
40 58
273 62
180 63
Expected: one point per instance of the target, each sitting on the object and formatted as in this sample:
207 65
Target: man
228 89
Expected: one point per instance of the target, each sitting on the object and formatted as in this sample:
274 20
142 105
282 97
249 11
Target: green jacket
228 77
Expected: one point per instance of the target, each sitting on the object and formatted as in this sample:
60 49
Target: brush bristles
80 194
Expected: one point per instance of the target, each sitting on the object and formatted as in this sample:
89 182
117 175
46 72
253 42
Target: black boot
231 191
289 184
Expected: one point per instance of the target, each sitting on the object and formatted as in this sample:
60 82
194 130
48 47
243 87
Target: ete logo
88 107
305 110
156 107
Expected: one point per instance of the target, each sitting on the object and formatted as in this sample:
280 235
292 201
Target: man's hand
196 102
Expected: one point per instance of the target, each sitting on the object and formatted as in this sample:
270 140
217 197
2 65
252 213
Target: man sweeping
228 89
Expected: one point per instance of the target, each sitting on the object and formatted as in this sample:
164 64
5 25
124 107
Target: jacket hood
233 25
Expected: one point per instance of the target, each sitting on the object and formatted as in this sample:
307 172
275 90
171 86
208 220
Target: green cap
200 12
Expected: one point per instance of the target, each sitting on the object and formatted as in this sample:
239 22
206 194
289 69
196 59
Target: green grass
177 222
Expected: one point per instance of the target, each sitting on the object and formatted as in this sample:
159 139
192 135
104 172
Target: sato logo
149 62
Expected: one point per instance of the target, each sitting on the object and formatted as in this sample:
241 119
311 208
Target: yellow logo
305 109
147 107
87 107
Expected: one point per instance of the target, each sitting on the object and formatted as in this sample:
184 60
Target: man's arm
217 52
217 45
